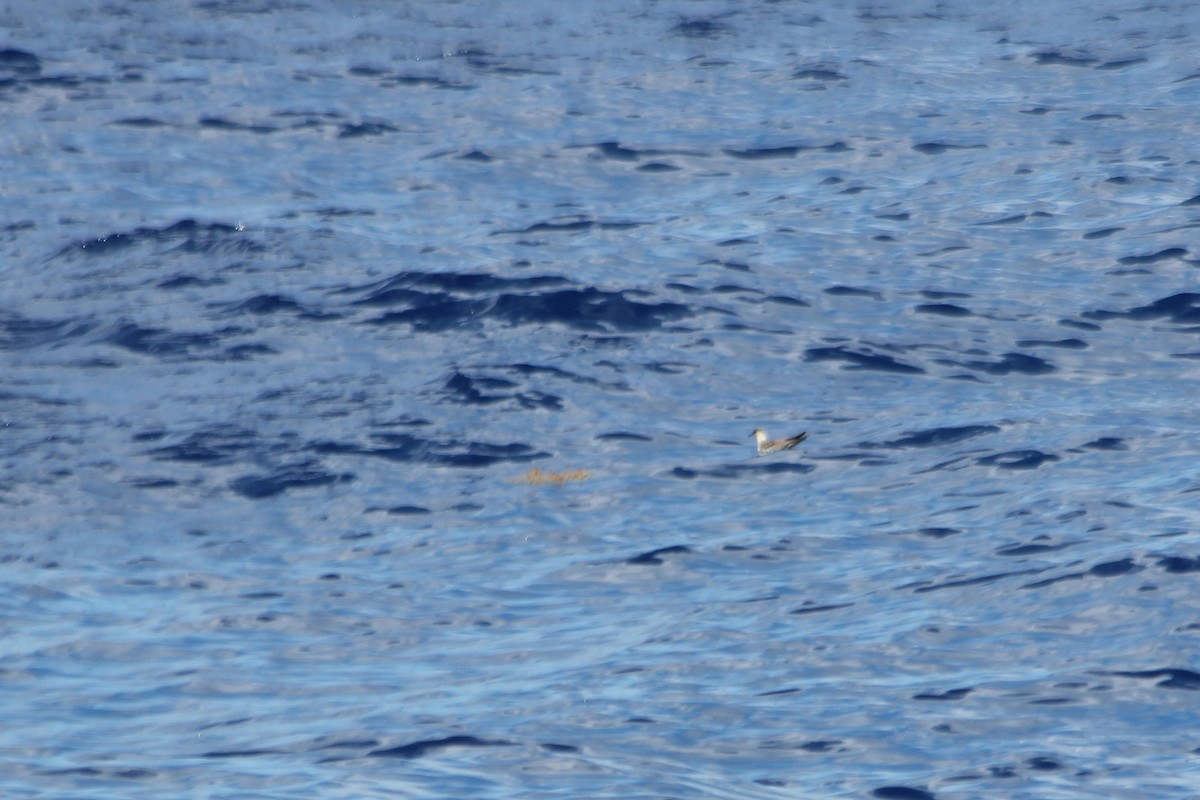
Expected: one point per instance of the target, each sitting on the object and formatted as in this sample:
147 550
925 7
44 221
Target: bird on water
766 445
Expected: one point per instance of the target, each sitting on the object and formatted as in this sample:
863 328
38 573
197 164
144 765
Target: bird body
766 445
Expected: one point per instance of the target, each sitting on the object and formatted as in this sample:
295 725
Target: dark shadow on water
1182 308
655 557
1017 459
742 470
856 359
427 746
588 309
295 476
934 437
1172 678
407 448
1007 364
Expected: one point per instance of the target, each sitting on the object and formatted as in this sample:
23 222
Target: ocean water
378 377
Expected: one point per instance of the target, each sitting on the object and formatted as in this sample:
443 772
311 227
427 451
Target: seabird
766 445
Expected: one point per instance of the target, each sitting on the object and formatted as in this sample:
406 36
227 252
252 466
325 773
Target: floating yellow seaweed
536 476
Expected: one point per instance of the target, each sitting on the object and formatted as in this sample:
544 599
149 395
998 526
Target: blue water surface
378 377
